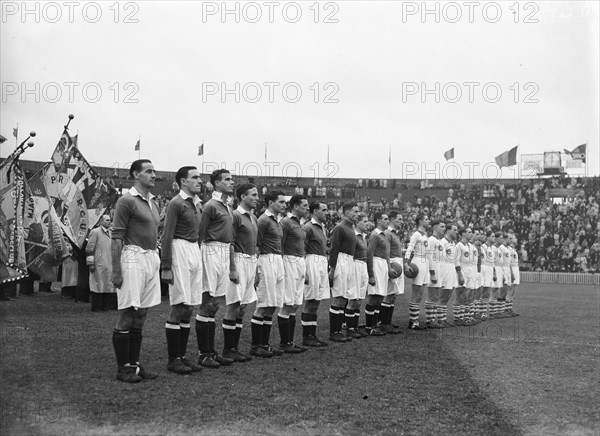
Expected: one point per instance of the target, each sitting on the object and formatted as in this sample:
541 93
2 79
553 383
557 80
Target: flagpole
203 153
140 147
17 137
390 162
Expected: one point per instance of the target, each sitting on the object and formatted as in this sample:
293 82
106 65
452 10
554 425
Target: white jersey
465 254
490 254
514 257
434 252
498 259
505 256
450 253
417 246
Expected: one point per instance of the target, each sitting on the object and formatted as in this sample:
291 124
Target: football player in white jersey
466 252
416 252
495 298
516 278
433 310
450 273
488 273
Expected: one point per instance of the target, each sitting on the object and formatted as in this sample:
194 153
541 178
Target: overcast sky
369 74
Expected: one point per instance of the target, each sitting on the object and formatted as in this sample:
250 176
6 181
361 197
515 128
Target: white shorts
396 286
380 271
506 274
318 279
243 292
423 277
343 278
448 276
215 273
487 276
478 279
187 273
361 278
269 292
517 274
499 277
469 272
294 272
141 278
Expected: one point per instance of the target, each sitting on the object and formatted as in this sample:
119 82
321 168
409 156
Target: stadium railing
558 277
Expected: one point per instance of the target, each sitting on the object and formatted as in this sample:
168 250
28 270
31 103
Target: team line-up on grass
213 255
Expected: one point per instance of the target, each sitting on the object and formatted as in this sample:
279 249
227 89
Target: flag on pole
74 139
201 150
449 154
16 131
2 139
137 145
508 158
78 194
578 152
13 265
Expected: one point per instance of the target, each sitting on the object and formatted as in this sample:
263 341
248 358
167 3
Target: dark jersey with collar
245 232
316 241
269 235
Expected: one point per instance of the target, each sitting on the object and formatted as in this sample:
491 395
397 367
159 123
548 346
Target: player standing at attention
514 267
378 267
316 285
488 273
495 298
477 255
361 271
462 315
416 252
182 266
243 267
135 272
216 233
269 292
341 270
436 315
294 272
395 285
507 274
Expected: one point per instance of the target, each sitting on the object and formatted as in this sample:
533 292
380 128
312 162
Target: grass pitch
535 374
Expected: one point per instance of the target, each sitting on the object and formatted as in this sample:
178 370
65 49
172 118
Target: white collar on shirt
241 210
379 232
135 192
195 198
219 197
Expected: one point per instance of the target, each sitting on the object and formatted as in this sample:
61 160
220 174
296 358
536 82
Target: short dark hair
361 216
393 214
419 218
498 235
272 196
243 190
347 206
314 206
378 216
296 199
136 165
488 233
462 231
182 173
435 222
216 175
